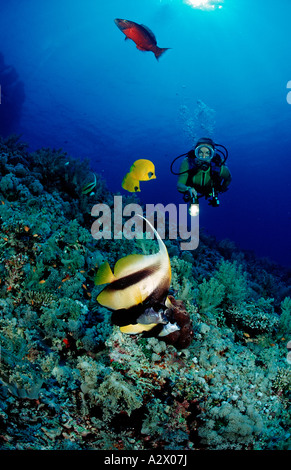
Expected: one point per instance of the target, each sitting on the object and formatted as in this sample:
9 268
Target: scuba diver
203 173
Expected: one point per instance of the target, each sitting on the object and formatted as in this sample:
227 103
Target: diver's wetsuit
203 180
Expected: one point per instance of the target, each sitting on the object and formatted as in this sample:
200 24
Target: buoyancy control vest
210 174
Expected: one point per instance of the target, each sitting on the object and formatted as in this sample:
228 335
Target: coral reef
70 380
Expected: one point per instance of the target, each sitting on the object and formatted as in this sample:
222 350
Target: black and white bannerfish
138 280
89 187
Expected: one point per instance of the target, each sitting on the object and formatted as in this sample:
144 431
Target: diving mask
204 153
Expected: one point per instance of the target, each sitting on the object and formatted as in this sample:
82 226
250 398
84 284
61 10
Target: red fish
142 36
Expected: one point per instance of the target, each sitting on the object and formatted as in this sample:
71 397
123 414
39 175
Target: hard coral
71 380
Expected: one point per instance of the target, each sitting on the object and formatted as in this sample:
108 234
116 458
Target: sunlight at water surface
204 4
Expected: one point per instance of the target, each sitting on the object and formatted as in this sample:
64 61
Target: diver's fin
104 275
137 328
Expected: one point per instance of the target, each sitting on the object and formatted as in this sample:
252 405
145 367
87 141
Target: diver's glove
191 196
192 192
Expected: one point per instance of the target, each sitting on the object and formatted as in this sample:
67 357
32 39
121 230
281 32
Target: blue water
71 81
